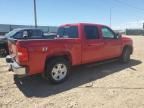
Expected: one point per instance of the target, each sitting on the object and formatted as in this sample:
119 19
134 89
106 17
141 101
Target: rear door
93 44
112 44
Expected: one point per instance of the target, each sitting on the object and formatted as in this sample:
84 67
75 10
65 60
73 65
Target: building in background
5 28
131 28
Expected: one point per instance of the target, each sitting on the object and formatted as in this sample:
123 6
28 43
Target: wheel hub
59 71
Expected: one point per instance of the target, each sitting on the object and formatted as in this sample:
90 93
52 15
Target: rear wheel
125 58
57 70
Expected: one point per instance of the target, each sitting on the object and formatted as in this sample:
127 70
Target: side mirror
118 35
25 34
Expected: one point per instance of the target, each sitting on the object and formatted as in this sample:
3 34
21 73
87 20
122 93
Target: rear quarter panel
57 47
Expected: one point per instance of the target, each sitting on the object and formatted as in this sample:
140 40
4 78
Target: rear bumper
15 67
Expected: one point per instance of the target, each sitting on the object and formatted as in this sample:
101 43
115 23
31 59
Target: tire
3 52
57 70
125 58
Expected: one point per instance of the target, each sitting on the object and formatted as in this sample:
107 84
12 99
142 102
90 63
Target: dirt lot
112 85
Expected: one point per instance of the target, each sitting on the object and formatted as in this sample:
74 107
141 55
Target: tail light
22 53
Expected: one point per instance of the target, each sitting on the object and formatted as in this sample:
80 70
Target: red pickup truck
74 44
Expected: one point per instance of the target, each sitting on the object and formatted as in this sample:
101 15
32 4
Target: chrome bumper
14 66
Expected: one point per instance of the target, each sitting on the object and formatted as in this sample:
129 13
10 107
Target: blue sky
57 12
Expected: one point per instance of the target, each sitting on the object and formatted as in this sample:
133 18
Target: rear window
68 32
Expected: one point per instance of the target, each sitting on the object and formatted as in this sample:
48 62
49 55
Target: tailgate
12 47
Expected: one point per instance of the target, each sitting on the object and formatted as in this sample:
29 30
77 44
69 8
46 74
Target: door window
34 34
107 33
91 32
68 32
18 35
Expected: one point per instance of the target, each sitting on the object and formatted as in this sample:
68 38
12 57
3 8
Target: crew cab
73 44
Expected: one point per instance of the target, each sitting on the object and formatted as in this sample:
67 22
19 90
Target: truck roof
75 24
19 29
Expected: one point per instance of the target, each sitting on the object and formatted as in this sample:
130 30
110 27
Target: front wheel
3 52
57 70
125 58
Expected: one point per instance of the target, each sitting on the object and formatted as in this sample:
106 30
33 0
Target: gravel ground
111 85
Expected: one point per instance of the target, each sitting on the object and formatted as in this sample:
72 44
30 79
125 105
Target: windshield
11 33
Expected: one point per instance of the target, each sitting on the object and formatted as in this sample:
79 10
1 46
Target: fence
4 28
134 31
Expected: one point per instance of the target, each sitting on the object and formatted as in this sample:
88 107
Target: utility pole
110 17
35 13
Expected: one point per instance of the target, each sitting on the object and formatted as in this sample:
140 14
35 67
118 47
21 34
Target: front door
112 44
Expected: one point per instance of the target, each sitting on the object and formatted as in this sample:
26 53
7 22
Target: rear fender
65 55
